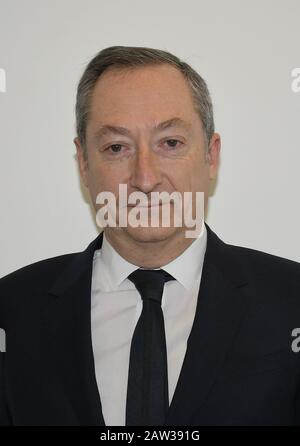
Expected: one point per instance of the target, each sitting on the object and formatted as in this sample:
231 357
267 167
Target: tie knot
150 283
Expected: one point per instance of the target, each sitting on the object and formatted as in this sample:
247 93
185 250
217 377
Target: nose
146 173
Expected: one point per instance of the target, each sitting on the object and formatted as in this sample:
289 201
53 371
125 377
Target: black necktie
147 391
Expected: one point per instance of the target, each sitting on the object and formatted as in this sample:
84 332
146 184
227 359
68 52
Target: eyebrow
170 123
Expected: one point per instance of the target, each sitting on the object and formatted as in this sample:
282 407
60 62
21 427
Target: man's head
168 143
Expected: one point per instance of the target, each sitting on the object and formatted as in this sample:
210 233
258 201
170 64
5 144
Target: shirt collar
186 268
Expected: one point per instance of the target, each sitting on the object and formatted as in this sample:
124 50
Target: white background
245 51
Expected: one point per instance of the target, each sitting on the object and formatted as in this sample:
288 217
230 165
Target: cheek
200 169
95 183
103 178
191 176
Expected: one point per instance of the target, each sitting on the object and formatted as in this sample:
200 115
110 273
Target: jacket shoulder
36 276
21 290
269 273
269 262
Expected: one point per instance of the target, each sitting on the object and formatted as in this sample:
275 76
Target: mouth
154 205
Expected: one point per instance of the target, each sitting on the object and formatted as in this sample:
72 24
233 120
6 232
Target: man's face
146 159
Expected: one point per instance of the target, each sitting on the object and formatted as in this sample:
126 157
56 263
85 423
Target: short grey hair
130 57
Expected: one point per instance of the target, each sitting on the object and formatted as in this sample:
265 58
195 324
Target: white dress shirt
116 306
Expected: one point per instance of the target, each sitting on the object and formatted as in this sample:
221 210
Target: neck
148 254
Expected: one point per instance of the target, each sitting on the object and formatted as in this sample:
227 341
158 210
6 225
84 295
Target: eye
115 148
173 143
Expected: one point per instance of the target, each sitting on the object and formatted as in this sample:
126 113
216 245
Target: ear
82 162
214 155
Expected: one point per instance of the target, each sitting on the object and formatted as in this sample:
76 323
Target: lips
146 206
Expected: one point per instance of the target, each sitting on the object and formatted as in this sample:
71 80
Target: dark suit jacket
239 367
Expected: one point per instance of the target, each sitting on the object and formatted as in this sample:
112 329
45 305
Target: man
147 326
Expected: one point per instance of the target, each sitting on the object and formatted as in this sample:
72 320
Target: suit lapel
69 326
222 302
220 307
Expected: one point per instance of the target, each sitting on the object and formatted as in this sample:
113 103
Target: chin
141 234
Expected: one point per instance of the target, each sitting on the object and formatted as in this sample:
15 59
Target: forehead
147 92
